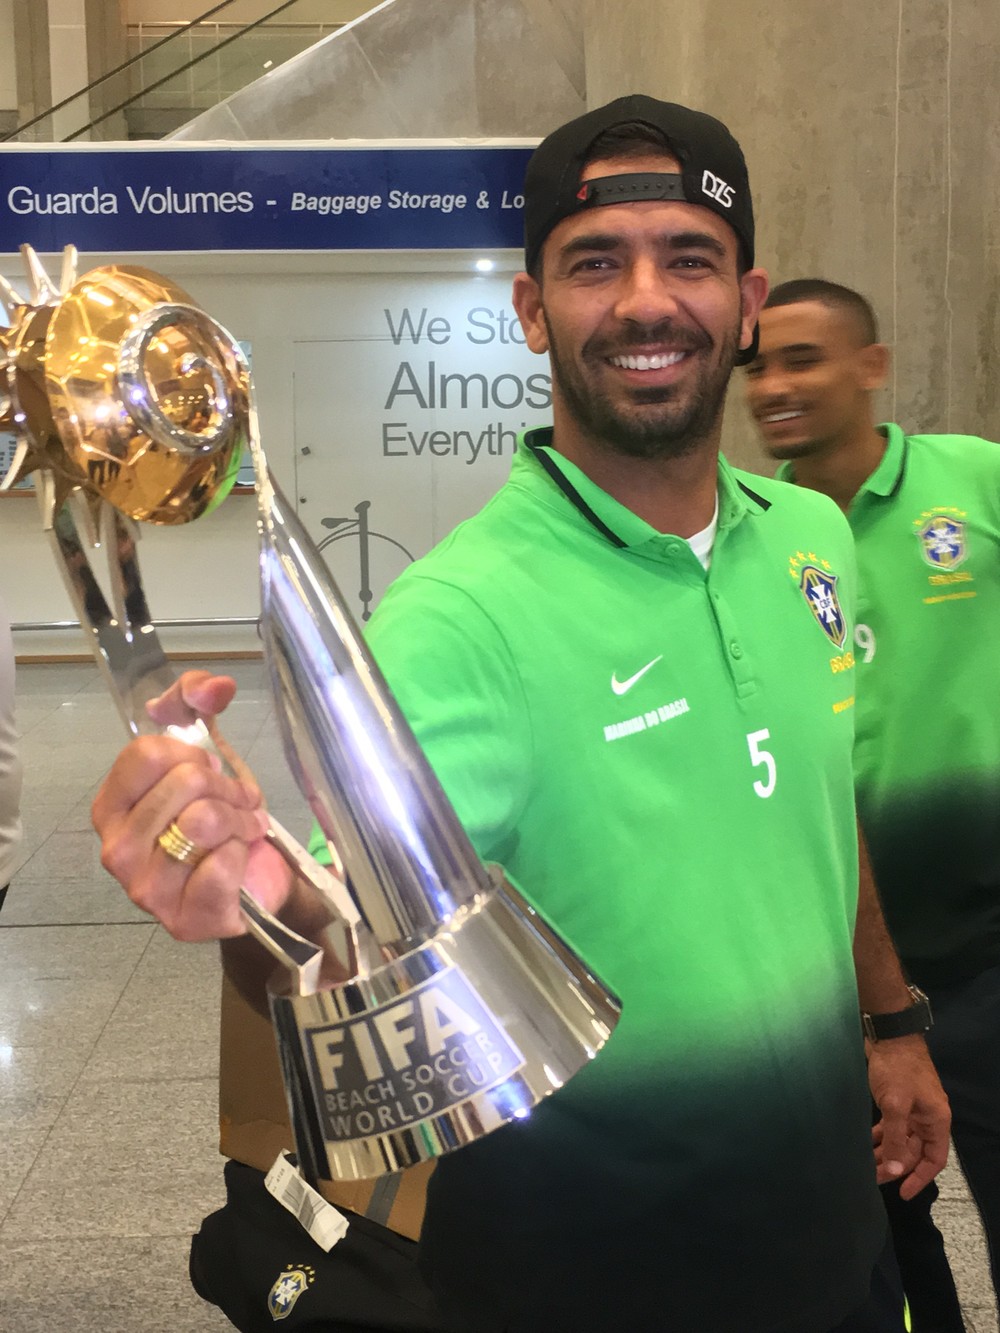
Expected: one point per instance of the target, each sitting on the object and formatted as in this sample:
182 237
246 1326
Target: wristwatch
904 1022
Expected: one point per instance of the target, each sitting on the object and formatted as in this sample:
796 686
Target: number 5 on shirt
758 755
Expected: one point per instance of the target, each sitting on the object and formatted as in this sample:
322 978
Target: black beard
677 429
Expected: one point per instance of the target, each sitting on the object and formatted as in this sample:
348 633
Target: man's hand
156 781
911 1139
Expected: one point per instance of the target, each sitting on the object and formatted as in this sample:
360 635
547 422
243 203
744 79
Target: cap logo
717 189
582 193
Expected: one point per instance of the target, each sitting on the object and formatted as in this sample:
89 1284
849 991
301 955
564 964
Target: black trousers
883 1311
926 1273
259 1266
368 1283
965 1045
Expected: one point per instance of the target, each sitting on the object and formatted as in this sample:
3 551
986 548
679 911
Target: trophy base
439 1047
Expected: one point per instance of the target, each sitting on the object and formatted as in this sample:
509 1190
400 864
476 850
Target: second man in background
925 513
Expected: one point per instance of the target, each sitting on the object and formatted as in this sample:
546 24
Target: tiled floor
108 1043
108 1060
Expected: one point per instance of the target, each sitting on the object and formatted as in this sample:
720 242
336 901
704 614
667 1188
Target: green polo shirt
927 528
661 759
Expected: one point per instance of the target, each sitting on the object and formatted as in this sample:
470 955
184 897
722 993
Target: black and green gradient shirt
927 530
660 757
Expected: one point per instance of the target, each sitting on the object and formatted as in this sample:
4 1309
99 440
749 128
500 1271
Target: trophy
436 1004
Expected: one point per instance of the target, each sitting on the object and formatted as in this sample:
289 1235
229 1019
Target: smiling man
923 509
631 673
810 387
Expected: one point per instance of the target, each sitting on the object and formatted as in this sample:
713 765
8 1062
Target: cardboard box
254 1127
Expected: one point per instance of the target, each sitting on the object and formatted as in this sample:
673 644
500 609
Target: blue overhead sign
124 200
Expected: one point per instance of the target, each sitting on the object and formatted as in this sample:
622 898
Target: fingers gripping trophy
462 1008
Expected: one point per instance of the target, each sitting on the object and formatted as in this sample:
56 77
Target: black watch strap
916 1017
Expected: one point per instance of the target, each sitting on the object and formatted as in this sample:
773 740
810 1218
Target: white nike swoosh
623 686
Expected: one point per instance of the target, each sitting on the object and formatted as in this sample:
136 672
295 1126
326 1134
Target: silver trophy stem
411 863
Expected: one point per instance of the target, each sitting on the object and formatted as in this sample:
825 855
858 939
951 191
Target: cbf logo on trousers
287 1289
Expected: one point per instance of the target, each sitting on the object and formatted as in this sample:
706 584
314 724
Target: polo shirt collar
886 477
614 520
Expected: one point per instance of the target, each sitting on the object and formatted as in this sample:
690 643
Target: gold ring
179 848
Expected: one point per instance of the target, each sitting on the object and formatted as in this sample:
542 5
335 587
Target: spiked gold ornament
76 385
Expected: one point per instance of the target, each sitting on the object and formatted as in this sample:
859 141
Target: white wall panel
338 376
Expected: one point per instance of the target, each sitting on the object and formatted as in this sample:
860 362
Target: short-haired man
925 511
630 674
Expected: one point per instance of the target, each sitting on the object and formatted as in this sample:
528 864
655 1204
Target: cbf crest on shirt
818 585
943 535
943 538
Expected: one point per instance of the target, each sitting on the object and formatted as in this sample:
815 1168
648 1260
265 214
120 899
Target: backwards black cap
713 171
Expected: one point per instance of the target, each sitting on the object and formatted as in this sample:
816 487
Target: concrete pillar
873 158
57 48
31 60
67 63
8 67
107 48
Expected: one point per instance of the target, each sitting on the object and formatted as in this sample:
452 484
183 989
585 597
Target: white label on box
320 1219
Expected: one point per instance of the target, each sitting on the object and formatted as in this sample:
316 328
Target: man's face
808 389
642 311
